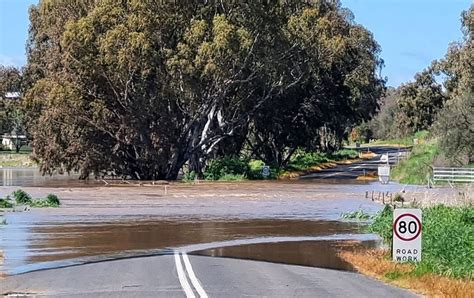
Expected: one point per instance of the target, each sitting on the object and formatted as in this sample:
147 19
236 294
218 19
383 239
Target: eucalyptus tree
139 88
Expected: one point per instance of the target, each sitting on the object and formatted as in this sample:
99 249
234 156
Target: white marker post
407 235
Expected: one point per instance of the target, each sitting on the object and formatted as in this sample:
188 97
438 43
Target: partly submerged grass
20 197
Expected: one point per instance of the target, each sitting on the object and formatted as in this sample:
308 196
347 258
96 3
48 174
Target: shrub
189 176
228 165
21 197
53 200
232 177
304 160
5 204
345 154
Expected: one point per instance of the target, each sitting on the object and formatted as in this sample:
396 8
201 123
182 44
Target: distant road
352 171
180 275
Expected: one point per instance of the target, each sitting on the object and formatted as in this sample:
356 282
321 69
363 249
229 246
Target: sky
411 33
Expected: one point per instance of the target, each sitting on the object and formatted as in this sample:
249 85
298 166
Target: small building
13 141
12 95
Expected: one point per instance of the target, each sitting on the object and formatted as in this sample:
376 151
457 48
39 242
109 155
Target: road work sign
407 235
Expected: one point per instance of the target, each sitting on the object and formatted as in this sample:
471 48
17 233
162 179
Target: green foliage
189 176
417 167
21 197
228 166
419 103
53 200
357 215
5 203
447 241
142 88
232 177
345 154
382 225
44 203
304 160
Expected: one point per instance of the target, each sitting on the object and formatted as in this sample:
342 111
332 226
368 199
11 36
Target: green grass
9 159
356 215
5 203
417 168
302 160
233 177
234 168
447 240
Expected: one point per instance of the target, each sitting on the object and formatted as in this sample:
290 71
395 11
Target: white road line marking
192 276
182 277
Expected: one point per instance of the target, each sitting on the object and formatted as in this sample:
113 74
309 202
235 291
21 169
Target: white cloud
17 60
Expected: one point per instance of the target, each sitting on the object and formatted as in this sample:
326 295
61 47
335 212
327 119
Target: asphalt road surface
180 275
352 171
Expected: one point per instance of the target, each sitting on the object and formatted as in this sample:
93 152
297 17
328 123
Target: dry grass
316 168
2 275
375 263
313 169
367 155
369 176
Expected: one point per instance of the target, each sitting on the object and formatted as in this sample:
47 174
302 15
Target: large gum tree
139 88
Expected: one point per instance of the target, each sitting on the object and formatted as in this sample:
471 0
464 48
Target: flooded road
291 222
55 244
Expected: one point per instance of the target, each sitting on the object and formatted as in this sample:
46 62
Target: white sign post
407 235
384 174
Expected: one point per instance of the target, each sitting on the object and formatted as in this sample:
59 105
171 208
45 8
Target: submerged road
354 170
180 275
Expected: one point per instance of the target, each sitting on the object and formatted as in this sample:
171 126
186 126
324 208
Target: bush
189 176
53 200
5 204
228 165
447 243
21 197
304 160
232 177
345 154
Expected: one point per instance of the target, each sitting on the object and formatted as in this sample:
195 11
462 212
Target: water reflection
28 247
33 177
322 254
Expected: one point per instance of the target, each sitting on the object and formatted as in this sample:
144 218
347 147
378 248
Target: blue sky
411 33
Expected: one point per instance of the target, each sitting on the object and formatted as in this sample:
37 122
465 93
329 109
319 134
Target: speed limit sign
407 229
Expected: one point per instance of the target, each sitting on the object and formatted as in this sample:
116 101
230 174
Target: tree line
439 99
141 88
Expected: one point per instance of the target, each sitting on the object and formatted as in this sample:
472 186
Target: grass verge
447 266
15 160
417 167
377 264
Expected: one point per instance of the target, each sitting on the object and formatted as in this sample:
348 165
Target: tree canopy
139 88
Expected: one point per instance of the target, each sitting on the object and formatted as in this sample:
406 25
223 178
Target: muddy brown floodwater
285 222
